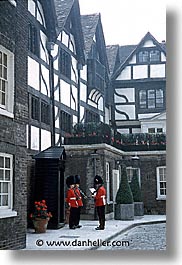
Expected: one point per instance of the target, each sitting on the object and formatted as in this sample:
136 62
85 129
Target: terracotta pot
40 225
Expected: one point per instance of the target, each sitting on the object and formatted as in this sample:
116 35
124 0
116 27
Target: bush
135 188
124 194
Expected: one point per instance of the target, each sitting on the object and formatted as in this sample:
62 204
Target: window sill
161 199
6 113
7 214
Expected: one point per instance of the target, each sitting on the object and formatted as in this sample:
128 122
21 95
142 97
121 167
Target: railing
96 133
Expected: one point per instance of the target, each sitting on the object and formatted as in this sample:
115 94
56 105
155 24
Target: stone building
61 86
13 120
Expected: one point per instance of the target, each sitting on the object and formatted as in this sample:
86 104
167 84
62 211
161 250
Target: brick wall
14 36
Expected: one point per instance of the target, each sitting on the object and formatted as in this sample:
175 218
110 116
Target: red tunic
100 198
71 198
78 197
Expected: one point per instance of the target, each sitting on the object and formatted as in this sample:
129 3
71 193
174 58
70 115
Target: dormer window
148 56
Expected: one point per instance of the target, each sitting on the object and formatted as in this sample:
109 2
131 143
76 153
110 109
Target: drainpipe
50 47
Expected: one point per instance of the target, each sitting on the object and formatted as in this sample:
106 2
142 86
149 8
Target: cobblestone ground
143 237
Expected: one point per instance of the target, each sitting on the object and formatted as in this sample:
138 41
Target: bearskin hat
98 180
70 180
77 179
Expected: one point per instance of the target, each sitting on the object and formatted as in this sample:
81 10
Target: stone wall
14 37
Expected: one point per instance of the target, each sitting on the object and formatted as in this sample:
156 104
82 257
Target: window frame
159 195
7 211
146 56
138 174
151 102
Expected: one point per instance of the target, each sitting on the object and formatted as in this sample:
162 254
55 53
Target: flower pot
40 225
124 212
138 209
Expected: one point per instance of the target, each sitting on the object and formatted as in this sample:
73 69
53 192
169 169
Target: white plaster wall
56 87
43 50
65 93
153 124
31 7
45 74
101 104
75 119
34 131
83 73
140 71
125 74
91 103
33 73
54 53
40 15
65 38
133 59
123 131
128 109
82 111
107 115
74 73
45 139
57 125
72 44
128 92
74 100
149 43
146 115
157 71
83 92
163 57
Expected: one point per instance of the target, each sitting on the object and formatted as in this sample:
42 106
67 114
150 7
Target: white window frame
159 195
8 109
134 168
7 211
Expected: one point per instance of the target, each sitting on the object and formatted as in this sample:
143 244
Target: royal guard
79 199
72 202
100 201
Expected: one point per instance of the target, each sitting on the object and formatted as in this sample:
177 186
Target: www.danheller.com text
82 243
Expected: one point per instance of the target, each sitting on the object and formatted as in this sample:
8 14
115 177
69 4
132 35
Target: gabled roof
63 8
54 152
126 52
112 53
89 26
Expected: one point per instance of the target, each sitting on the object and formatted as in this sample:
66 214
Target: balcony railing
96 133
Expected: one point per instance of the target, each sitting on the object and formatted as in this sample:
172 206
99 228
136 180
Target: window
161 182
151 99
148 56
65 121
45 113
40 110
91 117
35 110
6 82
33 40
130 173
151 130
3 79
6 186
65 63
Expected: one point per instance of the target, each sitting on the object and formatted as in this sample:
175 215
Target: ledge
7 214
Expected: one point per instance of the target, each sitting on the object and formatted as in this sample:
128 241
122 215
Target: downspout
50 47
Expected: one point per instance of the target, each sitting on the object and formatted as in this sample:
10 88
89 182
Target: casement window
161 183
40 110
33 40
65 122
148 56
6 185
130 173
155 130
151 98
6 82
65 63
91 116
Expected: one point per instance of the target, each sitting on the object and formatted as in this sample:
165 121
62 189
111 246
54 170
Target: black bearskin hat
98 180
77 179
70 180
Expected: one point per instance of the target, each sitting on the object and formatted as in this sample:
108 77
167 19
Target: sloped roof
112 51
54 152
125 51
89 26
63 8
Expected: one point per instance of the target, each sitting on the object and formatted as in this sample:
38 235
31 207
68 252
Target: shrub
124 194
135 188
